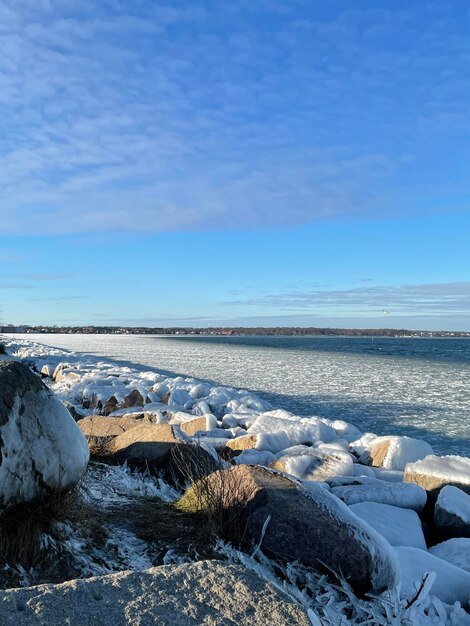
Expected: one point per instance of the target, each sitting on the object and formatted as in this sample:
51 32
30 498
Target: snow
446 469
278 433
455 501
400 527
451 584
455 551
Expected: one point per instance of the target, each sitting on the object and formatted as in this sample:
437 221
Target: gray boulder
207 593
41 448
312 527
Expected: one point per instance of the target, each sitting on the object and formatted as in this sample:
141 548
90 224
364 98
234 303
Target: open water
415 387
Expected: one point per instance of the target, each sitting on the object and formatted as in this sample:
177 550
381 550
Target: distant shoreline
280 331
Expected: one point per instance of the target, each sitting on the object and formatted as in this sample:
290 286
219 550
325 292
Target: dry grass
23 526
217 495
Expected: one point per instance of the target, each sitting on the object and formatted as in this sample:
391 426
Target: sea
418 387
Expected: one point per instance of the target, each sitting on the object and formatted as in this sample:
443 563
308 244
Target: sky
229 162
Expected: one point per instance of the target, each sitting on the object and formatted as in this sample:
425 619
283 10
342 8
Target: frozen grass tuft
330 604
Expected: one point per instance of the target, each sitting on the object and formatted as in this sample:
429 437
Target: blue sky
235 162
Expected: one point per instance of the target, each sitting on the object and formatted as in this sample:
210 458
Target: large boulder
41 448
434 472
292 524
100 429
452 512
207 593
162 446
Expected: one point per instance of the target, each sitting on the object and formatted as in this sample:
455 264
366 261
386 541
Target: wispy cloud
141 116
438 299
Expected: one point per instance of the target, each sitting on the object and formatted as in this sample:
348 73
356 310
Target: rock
312 527
455 551
47 370
146 443
400 527
67 375
313 464
162 446
207 593
109 406
206 423
451 584
434 472
452 512
41 448
100 429
395 453
59 367
366 489
76 412
245 442
134 398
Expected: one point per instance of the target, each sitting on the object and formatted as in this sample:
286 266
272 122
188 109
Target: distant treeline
224 331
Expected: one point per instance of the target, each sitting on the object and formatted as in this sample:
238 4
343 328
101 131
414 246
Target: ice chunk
400 527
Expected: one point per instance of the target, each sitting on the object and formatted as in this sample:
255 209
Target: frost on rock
400 527
451 584
42 448
435 472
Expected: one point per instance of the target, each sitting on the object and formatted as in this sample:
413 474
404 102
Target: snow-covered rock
312 463
42 448
393 452
455 551
435 472
452 512
451 584
278 433
400 527
404 495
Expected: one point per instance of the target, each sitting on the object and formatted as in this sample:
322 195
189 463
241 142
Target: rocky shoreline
357 512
